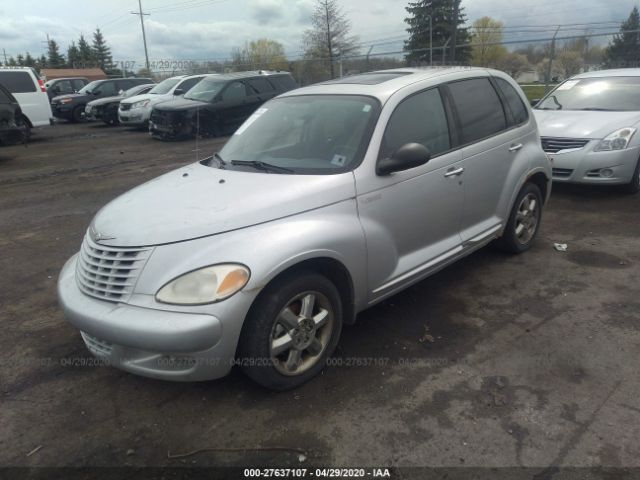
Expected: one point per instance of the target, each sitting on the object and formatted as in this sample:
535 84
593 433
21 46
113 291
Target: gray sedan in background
589 127
326 201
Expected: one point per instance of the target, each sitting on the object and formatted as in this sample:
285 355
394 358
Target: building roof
89 73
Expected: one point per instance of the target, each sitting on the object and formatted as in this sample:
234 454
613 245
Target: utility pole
444 49
329 46
4 52
144 36
454 33
552 54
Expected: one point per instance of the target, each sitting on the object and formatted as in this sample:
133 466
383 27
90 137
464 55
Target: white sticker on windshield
568 85
250 120
366 108
338 160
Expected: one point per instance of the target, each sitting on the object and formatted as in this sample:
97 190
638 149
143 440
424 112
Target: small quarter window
518 110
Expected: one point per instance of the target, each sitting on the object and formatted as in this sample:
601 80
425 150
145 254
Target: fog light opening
606 173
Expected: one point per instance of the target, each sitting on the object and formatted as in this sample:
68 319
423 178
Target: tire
76 115
281 347
524 221
634 185
27 131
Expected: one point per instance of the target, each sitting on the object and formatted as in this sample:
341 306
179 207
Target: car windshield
133 91
165 86
310 134
621 94
205 90
88 88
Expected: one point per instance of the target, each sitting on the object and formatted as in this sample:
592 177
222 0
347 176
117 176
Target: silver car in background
589 127
326 201
135 111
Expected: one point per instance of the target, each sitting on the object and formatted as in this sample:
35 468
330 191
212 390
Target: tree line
79 55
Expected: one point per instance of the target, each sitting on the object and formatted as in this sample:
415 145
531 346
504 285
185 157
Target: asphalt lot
499 360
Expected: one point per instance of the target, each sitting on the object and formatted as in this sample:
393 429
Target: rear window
284 82
479 108
261 85
17 81
519 112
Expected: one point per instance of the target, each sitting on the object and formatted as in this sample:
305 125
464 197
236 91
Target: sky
210 29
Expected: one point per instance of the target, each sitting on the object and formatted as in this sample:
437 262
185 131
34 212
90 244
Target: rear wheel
291 331
524 221
634 185
27 129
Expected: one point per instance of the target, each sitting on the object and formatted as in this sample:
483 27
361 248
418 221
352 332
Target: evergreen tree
445 24
86 58
101 52
29 61
624 50
20 60
55 60
73 56
12 62
42 62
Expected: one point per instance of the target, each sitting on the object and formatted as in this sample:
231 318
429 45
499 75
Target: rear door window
519 112
420 118
17 81
107 89
479 109
284 82
261 85
78 84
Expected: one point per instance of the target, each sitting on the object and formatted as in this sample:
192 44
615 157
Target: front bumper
596 168
155 343
62 110
134 117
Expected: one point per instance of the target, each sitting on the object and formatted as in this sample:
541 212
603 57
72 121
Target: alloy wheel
301 332
527 219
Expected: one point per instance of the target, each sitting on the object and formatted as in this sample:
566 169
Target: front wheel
292 329
524 221
76 115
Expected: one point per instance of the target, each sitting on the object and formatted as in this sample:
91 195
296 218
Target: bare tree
329 37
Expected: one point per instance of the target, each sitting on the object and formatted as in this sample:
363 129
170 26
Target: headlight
618 140
206 285
140 104
66 100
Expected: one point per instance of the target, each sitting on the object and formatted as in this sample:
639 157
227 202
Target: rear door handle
515 148
454 172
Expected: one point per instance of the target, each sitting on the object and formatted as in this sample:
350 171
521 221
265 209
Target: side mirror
534 102
410 155
178 91
96 92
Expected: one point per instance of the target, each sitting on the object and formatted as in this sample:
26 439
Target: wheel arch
27 119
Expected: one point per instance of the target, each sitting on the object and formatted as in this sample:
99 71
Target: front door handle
515 148
454 172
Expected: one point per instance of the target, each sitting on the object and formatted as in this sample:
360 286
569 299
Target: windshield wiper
265 167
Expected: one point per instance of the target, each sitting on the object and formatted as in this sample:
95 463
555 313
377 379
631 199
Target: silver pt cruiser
324 202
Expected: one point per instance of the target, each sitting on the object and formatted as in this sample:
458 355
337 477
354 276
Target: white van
25 84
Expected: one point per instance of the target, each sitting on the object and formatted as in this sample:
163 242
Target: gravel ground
532 360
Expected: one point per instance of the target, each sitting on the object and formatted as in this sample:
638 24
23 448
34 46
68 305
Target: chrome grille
109 273
554 145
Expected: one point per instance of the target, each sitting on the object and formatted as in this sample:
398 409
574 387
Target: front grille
562 172
125 106
554 145
161 118
109 273
97 346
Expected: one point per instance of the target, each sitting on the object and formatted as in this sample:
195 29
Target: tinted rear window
17 82
479 108
284 82
261 85
518 110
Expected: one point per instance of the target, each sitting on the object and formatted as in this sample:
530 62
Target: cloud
266 11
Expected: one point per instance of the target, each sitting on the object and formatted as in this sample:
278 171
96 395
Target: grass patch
534 91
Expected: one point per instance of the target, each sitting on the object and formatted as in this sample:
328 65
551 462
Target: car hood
155 98
73 96
197 201
583 124
104 101
181 104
